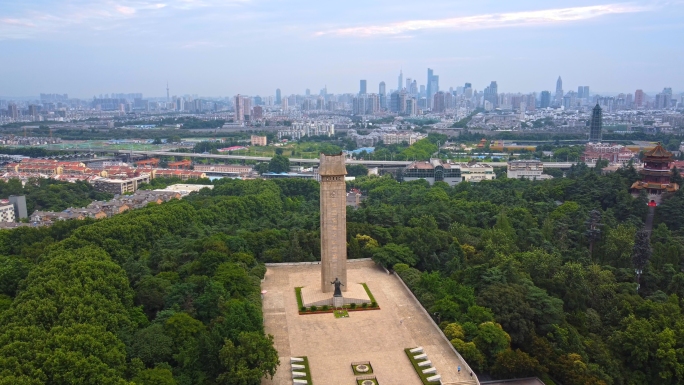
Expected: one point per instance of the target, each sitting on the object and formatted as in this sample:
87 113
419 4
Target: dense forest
525 278
51 195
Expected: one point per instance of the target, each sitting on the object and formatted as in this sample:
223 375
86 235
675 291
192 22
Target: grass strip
298 293
370 295
419 371
307 370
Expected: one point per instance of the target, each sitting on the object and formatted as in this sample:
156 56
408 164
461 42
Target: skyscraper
639 98
168 97
362 87
382 92
239 108
491 94
430 91
545 101
278 96
559 92
401 80
596 125
12 111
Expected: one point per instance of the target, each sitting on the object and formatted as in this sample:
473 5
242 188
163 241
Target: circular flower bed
363 369
367 382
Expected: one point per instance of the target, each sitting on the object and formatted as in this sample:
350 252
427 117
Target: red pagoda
656 174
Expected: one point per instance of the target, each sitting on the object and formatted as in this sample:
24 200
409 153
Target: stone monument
333 221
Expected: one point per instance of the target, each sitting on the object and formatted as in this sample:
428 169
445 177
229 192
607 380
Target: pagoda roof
658 152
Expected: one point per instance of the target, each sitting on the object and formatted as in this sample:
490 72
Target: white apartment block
7 212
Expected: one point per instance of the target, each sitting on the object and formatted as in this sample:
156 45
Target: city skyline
222 48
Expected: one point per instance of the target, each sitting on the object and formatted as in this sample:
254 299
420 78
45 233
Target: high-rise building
408 85
401 80
278 96
559 92
585 92
639 98
382 93
430 92
545 101
395 101
596 124
239 108
308 92
438 102
12 111
362 87
491 94
257 113
33 110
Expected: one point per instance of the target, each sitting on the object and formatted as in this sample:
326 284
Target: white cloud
489 21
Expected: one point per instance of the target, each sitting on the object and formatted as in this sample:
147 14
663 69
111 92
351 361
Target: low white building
526 169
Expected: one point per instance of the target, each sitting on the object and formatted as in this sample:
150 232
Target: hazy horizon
222 48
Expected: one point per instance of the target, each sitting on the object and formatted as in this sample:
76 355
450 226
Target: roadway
371 163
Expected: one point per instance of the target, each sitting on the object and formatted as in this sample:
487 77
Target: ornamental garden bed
329 309
362 368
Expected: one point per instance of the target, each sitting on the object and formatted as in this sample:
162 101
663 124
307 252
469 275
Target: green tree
278 164
249 361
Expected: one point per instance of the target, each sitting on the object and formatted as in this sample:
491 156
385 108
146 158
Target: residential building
239 108
235 169
613 153
120 186
6 211
545 101
639 98
278 96
19 203
259 140
362 87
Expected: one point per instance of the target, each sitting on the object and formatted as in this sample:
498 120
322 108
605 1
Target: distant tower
239 108
168 96
401 80
639 98
596 125
278 96
362 87
430 91
559 91
382 92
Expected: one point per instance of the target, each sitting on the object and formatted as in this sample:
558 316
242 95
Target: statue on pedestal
337 283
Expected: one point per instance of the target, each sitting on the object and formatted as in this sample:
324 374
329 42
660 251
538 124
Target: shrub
314 308
302 309
352 305
324 307
364 305
374 304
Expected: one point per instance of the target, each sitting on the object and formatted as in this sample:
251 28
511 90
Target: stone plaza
379 336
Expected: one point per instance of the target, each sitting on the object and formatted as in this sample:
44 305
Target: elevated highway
369 163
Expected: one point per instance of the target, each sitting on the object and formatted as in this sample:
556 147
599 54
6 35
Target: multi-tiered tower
333 221
656 174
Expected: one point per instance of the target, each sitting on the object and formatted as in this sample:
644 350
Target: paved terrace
378 336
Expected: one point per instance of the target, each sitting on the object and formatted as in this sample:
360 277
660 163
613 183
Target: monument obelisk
333 221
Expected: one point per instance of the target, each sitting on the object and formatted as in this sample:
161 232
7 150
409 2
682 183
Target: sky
225 47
